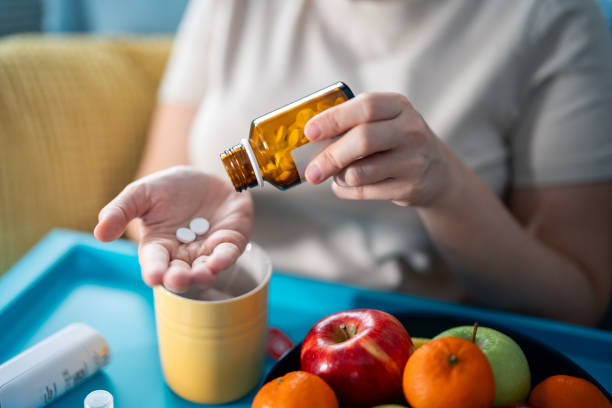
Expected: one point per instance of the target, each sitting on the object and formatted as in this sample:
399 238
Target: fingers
398 191
389 189
361 141
201 274
114 217
371 170
154 261
206 268
176 270
178 276
361 109
222 257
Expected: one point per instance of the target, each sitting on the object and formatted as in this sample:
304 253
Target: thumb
113 219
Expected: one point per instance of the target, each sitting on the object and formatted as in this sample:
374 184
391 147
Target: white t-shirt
520 90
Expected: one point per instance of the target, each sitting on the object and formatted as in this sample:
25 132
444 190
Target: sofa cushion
74 112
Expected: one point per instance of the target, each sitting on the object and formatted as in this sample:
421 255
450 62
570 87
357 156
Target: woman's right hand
170 199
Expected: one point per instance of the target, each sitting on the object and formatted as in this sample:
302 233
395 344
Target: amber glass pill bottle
277 150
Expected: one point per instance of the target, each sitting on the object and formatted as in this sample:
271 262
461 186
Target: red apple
361 354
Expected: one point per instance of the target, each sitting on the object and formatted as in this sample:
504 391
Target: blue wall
113 16
19 16
110 16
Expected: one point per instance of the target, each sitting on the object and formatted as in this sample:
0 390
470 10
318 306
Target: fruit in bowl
564 391
419 341
449 372
296 389
361 354
509 364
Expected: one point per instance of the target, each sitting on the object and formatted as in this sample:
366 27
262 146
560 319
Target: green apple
509 364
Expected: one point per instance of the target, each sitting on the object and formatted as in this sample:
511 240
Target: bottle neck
239 168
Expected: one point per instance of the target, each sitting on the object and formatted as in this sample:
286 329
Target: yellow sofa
74 111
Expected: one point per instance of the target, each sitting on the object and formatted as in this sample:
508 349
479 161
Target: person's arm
552 266
167 200
548 251
166 145
181 91
163 198
168 137
552 259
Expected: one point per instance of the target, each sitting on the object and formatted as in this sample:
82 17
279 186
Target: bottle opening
239 168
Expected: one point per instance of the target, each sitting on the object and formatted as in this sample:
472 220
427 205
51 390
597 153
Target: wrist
456 180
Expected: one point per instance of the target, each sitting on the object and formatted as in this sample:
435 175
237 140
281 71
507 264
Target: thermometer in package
48 369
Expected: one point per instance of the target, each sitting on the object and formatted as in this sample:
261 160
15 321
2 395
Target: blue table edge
58 243
54 246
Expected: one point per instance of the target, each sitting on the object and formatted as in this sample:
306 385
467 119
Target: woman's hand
168 200
387 152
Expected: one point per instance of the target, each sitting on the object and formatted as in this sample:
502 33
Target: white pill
199 225
185 235
99 399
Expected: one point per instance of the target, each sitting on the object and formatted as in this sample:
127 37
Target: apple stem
345 331
474 332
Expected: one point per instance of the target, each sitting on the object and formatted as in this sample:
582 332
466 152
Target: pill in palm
199 225
185 235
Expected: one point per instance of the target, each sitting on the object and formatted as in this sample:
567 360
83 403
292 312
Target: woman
475 162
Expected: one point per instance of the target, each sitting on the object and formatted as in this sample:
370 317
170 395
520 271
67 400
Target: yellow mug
213 351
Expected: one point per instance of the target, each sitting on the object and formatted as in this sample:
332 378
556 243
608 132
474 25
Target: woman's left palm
168 200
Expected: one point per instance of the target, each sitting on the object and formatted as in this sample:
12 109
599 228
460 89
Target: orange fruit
448 372
297 389
560 391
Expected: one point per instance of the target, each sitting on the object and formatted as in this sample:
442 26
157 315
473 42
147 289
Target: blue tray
70 277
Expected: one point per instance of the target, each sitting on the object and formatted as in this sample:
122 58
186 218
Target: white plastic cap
99 399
